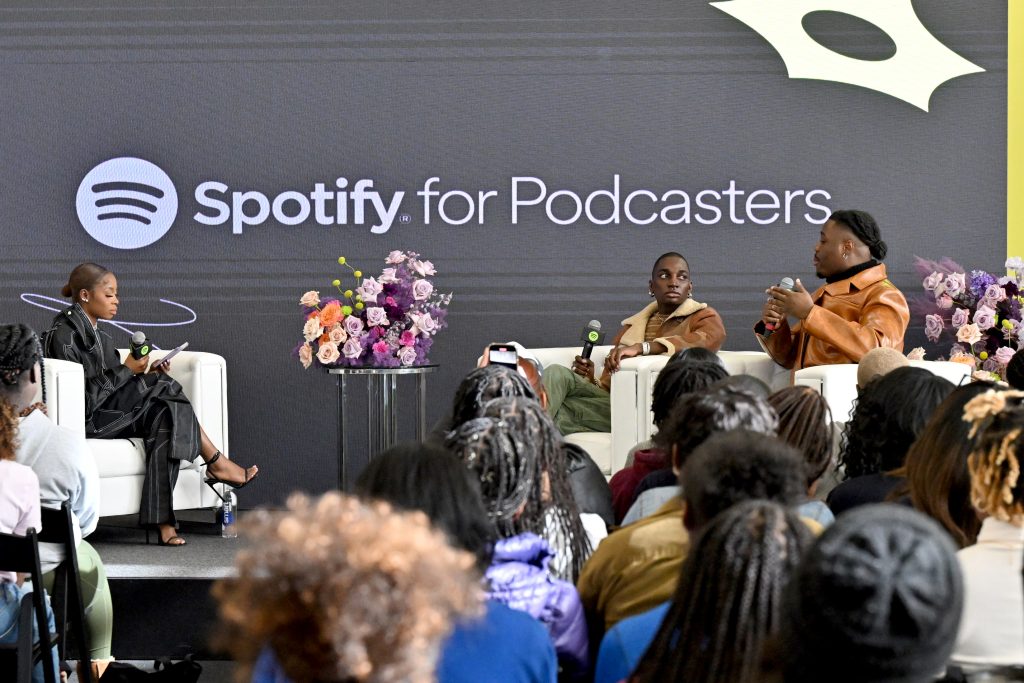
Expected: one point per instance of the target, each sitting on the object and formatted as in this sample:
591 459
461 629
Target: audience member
878 362
696 354
679 377
992 630
729 597
805 423
662 485
335 589
19 512
748 383
889 415
507 645
67 473
727 469
637 567
935 476
876 599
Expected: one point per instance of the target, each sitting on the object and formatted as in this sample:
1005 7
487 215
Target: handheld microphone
591 336
139 345
787 284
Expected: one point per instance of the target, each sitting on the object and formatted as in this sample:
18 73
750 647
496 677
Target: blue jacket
519 577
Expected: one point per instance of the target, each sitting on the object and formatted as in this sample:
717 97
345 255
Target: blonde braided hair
997 422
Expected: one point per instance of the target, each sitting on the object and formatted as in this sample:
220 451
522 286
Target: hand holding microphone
787 299
591 336
772 313
138 353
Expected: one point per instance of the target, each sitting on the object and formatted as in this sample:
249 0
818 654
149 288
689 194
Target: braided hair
679 378
516 452
997 423
728 599
484 384
863 225
20 350
805 423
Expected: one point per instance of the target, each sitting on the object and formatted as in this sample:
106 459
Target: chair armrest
837 383
65 393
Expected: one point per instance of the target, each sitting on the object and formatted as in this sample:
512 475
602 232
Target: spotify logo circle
127 203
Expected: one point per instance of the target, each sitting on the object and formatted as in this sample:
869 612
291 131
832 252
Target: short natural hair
732 467
678 378
878 362
345 590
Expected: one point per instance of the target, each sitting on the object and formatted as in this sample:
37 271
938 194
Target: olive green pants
99 614
575 404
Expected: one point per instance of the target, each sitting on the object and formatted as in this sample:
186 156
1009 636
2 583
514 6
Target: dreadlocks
516 452
805 424
997 420
728 598
484 384
20 350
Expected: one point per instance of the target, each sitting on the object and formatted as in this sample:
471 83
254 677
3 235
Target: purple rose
369 290
407 355
945 302
985 318
932 282
395 257
376 316
353 325
421 289
933 326
423 268
955 284
994 294
352 348
408 338
422 323
1003 355
387 276
961 317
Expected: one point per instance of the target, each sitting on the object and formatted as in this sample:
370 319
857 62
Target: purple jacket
519 577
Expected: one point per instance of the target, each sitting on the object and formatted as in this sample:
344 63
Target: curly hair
729 597
8 430
805 423
346 591
516 452
695 417
678 378
995 459
20 350
888 416
485 384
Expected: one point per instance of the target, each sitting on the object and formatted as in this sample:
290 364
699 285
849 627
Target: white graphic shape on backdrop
127 203
921 63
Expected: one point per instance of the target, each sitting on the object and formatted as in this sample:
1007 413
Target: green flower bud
341 260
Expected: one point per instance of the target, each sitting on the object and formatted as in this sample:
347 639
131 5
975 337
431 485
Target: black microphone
139 345
591 336
787 284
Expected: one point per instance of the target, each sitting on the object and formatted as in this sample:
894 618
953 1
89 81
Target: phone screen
503 355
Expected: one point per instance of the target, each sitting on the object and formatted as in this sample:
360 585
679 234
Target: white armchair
121 462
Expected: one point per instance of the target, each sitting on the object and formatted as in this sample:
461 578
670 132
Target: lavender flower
961 317
933 326
985 318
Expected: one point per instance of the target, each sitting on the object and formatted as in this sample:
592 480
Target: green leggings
99 614
575 404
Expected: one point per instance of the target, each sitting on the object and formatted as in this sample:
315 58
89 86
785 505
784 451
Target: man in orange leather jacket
857 309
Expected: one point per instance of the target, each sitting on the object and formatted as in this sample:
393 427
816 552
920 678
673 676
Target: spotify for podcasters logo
127 203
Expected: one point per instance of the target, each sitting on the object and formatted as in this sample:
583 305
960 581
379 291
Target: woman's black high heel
211 481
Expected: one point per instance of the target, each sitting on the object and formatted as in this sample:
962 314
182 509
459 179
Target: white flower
406 355
338 334
312 329
916 354
423 268
423 324
310 299
328 353
376 316
1015 263
306 355
395 257
387 276
421 290
369 290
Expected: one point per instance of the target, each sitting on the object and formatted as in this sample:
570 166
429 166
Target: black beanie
877 598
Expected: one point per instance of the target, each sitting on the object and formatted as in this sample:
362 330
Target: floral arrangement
981 313
384 322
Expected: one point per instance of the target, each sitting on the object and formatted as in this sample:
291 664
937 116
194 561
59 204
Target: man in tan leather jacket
856 310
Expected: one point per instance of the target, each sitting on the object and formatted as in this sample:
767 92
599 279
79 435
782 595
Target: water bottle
227 516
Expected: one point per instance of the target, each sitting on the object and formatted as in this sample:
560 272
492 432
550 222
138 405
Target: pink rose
421 289
328 353
933 326
945 302
916 354
387 276
969 334
961 317
337 334
352 348
408 338
380 347
955 284
932 282
390 301
395 257
406 355
994 294
310 299
423 324
369 290
423 268
353 325
312 329
984 318
306 355
376 316
1003 355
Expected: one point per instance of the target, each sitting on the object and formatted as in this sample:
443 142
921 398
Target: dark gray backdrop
670 95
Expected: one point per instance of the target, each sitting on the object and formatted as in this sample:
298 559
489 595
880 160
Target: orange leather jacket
849 318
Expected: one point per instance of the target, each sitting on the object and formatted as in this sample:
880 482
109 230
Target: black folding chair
66 596
21 554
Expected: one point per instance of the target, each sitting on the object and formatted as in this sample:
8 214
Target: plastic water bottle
227 516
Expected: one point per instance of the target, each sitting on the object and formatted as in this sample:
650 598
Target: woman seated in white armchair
580 402
130 398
